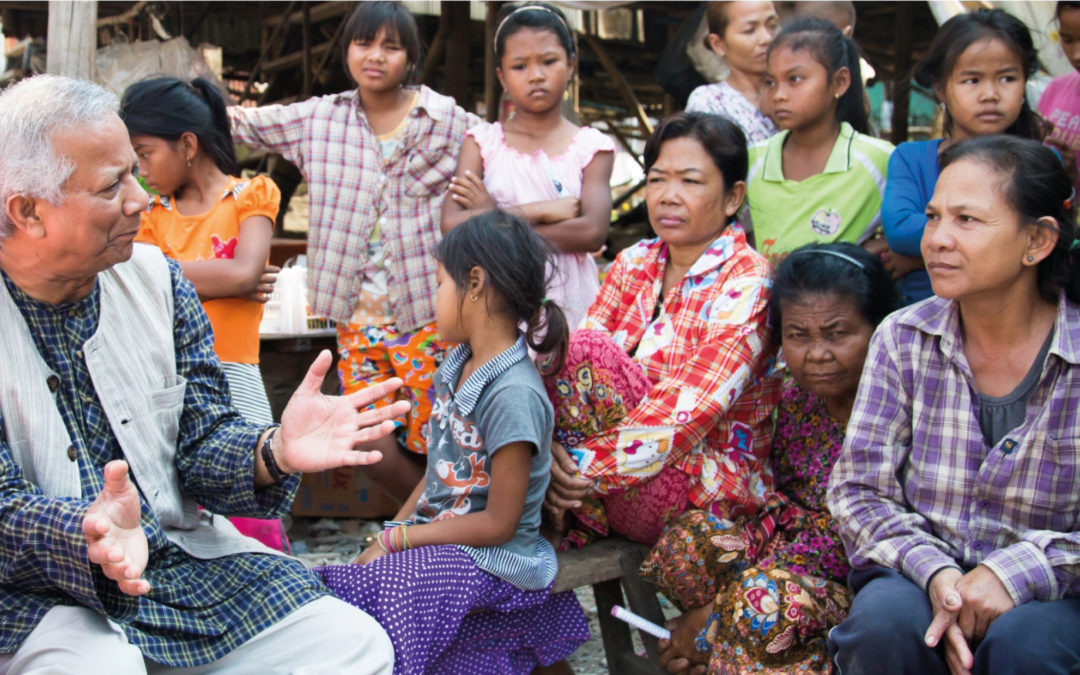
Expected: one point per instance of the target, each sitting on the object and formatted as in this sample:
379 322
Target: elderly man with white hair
115 422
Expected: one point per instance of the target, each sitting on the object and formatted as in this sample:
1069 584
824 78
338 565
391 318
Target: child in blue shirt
977 66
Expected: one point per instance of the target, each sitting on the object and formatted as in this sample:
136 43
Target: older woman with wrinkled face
826 301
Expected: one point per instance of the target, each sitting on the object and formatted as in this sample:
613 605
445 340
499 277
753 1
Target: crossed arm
573 225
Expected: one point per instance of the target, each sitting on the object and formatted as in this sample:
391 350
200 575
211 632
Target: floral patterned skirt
766 617
595 389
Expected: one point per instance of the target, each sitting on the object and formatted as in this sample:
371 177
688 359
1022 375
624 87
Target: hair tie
498 29
836 254
1074 244
1068 203
544 301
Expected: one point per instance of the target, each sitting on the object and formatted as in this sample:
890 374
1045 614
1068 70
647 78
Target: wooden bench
610 566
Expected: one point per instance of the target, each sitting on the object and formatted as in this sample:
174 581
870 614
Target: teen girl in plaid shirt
377 161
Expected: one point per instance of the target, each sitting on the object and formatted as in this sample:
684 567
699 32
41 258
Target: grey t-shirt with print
502 402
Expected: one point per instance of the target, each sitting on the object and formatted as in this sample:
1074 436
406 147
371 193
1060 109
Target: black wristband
267 451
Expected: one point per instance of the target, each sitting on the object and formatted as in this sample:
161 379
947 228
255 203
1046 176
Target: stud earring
1030 259
473 298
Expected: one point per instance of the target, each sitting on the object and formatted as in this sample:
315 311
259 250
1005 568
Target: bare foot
680 654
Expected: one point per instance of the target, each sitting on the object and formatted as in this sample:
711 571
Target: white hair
32 112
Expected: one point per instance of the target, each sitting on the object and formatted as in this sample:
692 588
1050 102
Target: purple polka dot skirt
446 615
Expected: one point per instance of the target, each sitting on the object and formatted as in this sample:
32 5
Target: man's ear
23 213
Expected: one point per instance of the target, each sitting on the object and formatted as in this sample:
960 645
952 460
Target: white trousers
324 637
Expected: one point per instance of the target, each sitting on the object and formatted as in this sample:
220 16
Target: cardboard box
342 493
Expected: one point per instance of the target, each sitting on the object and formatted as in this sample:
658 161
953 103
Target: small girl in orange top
217 226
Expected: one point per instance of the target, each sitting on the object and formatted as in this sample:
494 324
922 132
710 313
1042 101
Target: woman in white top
740 33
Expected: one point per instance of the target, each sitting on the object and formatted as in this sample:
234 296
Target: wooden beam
320 75
124 17
435 53
905 17
617 133
72 39
294 59
492 91
457 52
625 197
305 36
319 12
624 87
264 52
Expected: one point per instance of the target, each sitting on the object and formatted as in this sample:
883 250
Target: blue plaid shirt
197 610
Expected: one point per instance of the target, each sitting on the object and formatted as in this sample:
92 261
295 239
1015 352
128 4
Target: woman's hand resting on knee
566 489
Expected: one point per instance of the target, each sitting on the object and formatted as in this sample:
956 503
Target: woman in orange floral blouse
665 401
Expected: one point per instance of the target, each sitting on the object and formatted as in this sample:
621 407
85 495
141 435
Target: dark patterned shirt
197 610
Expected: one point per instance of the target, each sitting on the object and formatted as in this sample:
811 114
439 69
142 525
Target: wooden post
305 33
435 52
457 52
492 90
72 39
905 16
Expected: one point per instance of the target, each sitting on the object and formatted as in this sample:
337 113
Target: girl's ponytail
515 261
550 322
218 140
851 107
168 107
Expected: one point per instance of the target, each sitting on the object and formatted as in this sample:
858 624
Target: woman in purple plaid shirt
957 492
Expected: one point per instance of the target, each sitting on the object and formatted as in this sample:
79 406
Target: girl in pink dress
538 164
